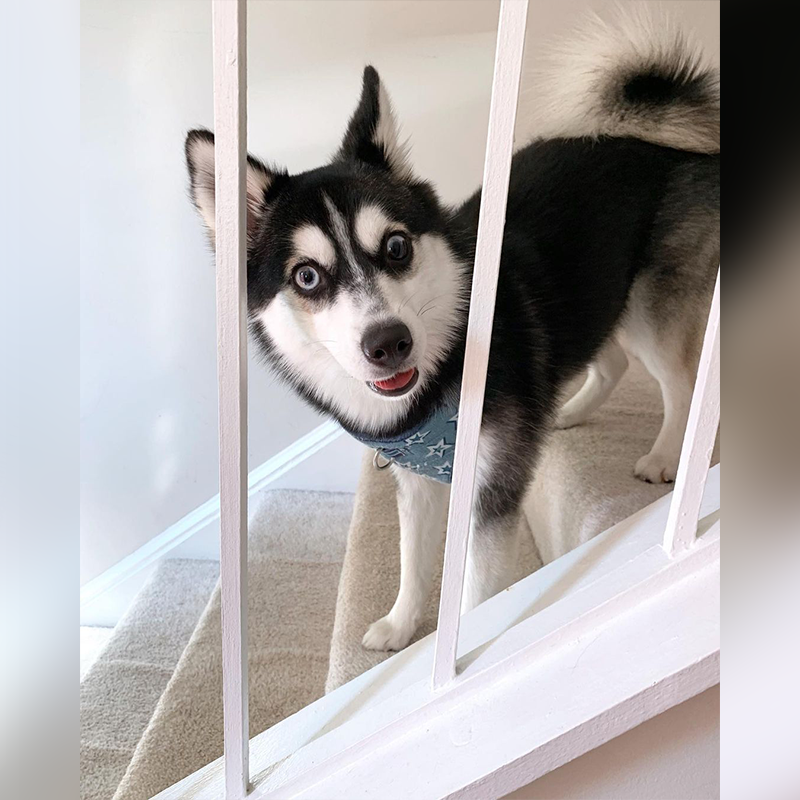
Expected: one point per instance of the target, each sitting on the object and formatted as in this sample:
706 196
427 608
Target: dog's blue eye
307 278
397 247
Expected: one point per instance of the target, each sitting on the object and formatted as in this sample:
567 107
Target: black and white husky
359 284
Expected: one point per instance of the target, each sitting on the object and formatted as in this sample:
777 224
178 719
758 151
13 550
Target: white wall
674 756
148 397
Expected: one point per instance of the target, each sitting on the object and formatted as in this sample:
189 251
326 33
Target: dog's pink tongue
396 381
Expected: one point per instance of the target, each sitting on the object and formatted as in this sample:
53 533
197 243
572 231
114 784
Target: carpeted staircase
151 705
322 567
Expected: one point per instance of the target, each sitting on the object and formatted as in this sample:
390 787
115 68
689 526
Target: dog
358 281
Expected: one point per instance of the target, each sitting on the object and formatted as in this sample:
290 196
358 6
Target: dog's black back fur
580 227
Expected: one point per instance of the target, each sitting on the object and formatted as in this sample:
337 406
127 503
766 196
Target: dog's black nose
388 344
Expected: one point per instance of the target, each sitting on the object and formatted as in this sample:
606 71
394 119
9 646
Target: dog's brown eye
307 278
398 247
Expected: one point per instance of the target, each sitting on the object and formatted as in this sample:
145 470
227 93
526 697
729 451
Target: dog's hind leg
669 347
422 506
604 374
506 455
664 329
675 375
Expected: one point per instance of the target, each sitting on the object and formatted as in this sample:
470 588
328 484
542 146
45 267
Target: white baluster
698 442
230 122
497 168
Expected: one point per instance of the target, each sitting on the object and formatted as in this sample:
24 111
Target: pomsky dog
359 285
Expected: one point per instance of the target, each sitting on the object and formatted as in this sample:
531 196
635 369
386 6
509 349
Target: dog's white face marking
429 300
312 244
342 235
371 226
321 343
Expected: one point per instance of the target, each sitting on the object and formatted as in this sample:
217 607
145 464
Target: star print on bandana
410 450
439 448
417 438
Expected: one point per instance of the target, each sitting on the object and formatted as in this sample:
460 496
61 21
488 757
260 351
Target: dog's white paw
567 419
387 635
656 468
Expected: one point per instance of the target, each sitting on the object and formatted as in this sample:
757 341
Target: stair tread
296 546
121 689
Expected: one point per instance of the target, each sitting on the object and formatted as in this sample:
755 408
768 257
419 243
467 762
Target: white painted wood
518 741
497 169
518 632
524 647
494 745
230 122
698 442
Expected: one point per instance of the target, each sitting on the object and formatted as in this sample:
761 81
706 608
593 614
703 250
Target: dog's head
353 290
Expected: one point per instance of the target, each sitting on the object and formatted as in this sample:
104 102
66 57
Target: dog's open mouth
397 385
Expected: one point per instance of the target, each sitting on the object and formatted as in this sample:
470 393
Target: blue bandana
427 450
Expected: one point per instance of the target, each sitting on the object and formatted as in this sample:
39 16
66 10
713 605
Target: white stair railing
230 114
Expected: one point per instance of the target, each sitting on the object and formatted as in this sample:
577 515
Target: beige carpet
121 689
297 541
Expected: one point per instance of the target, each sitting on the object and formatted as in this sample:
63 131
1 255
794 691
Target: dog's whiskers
407 300
432 300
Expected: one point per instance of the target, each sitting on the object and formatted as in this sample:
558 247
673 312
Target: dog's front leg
422 506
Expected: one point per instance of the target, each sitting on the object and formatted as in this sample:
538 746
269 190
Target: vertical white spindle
497 168
698 443
230 122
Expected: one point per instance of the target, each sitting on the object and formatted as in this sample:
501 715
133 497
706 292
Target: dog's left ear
372 135
200 163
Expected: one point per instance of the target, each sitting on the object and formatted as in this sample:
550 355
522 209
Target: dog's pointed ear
200 163
372 134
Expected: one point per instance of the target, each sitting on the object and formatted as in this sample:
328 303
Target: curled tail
638 77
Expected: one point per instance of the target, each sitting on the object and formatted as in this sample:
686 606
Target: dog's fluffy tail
638 76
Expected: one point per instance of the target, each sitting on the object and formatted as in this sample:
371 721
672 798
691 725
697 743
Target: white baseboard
195 535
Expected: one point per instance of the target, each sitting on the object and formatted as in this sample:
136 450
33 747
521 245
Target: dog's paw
567 419
656 468
387 635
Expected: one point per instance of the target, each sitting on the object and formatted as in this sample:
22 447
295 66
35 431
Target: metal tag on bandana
427 451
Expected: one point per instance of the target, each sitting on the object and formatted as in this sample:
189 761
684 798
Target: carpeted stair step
296 545
122 688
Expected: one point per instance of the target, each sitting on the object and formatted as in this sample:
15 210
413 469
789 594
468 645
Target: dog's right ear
200 163
373 135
